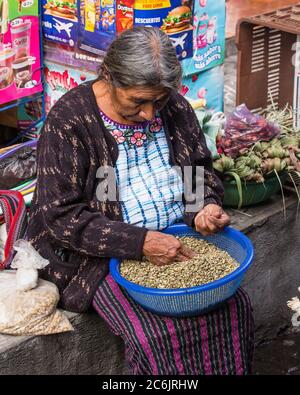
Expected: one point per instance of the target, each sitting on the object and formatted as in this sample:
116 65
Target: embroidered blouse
150 190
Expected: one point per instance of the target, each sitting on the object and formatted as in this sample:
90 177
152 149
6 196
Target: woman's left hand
211 219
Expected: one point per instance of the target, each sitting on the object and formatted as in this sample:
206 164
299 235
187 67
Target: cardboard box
20 68
208 36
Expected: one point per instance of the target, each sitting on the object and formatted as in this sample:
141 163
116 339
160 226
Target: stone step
90 349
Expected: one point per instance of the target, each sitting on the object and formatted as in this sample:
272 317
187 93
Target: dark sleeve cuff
140 243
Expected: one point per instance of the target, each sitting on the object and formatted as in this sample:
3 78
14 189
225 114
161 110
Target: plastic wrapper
243 129
27 303
27 261
18 167
211 125
294 305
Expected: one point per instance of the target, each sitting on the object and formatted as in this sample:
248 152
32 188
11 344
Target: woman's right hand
162 249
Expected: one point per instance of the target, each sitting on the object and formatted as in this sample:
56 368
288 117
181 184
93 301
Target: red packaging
124 15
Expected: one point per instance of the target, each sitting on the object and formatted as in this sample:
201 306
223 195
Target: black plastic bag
18 167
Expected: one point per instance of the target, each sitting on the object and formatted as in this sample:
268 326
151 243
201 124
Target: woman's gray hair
142 56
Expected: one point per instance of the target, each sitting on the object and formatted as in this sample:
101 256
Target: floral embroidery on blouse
133 135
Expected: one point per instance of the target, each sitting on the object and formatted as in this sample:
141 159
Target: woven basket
185 302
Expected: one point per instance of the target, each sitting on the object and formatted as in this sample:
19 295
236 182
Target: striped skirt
219 342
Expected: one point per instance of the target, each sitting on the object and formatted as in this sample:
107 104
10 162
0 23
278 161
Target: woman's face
139 104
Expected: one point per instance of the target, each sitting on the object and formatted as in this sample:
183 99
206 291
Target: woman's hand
211 219
162 249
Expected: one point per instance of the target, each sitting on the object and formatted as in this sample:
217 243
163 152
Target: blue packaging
59 21
174 17
208 36
97 25
108 16
206 88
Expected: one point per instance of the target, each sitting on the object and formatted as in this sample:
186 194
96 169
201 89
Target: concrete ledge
90 349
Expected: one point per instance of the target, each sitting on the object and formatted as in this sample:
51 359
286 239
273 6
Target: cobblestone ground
280 356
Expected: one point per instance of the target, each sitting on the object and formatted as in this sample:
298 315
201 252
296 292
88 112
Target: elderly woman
132 119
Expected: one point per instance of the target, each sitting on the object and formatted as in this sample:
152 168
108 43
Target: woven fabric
218 343
15 218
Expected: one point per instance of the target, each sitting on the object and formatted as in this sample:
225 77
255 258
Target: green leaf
296 189
238 185
282 193
207 118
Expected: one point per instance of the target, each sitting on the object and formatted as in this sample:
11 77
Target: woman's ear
106 75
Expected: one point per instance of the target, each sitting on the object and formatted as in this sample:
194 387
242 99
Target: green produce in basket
224 164
260 170
290 141
260 146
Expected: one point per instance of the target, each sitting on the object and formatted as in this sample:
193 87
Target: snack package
174 17
100 21
60 19
124 15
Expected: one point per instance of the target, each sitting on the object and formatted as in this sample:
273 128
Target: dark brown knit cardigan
68 225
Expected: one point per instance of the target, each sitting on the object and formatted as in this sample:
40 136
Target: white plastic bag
211 123
294 305
27 303
27 260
